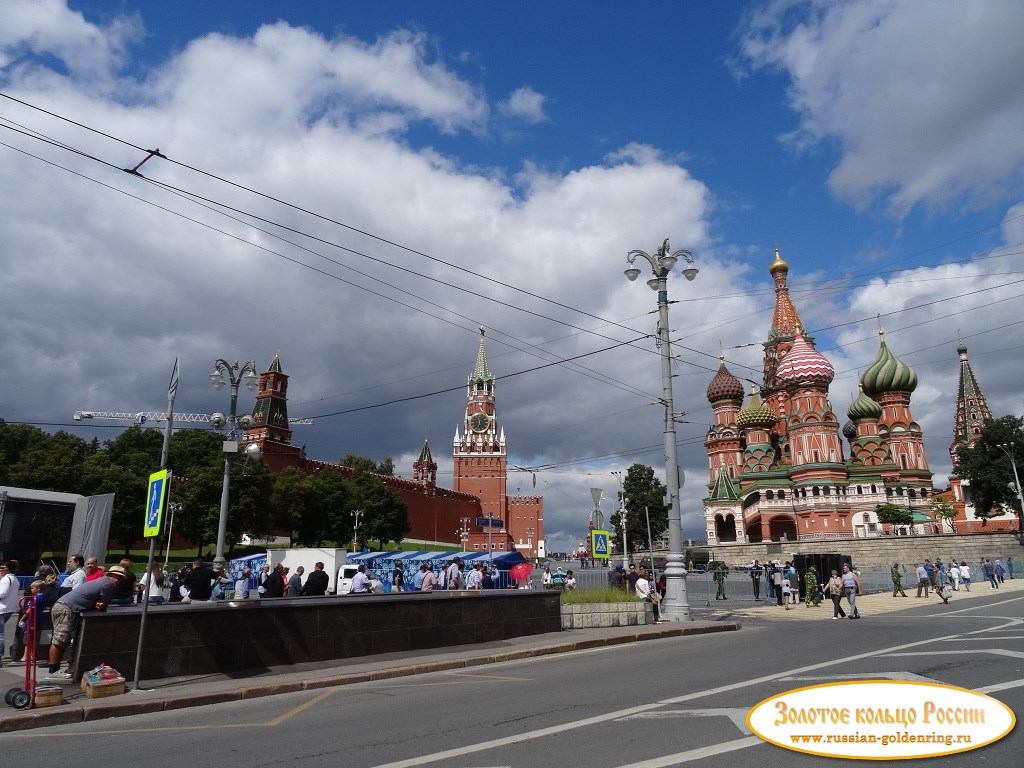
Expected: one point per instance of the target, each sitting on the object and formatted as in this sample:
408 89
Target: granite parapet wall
250 635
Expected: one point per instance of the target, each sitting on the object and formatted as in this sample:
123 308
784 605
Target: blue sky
524 148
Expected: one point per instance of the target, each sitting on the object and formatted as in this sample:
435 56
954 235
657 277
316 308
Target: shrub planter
586 615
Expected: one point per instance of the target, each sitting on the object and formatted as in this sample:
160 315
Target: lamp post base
675 607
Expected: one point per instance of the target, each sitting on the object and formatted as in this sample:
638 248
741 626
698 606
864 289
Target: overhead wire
209 203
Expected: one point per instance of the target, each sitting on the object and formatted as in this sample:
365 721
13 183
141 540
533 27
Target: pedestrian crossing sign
599 544
156 501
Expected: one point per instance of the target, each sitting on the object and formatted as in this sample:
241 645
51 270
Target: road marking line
1001 686
993 651
560 729
698 754
303 707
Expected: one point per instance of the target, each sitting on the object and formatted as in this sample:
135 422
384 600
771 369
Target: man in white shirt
453 576
360 582
75 571
645 593
922 580
475 578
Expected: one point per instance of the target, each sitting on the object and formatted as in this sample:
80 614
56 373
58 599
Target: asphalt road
656 703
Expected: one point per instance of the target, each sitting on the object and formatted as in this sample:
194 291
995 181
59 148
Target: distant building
477 502
971 412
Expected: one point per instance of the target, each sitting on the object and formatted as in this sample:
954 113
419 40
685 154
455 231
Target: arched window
867 518
782 494
769 495
873 488
859 490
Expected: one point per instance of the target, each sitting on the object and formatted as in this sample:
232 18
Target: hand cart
23 698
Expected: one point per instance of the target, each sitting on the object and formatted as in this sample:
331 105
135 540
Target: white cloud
48 27
921 96
524 103
105 290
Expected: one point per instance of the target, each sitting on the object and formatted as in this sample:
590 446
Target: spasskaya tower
481 465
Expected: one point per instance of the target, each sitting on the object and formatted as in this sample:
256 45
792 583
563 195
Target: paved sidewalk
867 605
178 693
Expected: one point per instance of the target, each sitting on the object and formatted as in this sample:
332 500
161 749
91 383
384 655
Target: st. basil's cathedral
779 468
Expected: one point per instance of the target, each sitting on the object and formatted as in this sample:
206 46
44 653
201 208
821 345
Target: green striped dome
755 414
888 374
864 408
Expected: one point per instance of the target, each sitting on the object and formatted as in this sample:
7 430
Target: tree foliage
645 495
894 514
943 510
989 470
314 509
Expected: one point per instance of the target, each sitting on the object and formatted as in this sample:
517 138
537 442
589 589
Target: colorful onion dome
863 407
756 414
850 431
804 365
724 386
961 348
887 373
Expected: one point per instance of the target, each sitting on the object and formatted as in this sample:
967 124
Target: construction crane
143 416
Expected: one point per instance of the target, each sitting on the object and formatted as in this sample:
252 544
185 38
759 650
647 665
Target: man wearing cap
91 596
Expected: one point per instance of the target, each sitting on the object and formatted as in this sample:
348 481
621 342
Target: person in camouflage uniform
897 581
811 587
720 574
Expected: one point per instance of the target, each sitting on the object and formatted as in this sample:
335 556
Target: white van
345 575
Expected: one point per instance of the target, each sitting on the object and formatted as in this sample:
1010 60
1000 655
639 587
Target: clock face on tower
479 422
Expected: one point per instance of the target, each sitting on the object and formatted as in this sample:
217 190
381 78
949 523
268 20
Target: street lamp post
490 546
355 527
1008 449
674 607
235 374
622 519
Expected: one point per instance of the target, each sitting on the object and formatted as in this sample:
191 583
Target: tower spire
971 407
480 370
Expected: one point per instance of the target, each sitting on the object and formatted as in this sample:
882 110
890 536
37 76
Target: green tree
15 441
385 513
645 495
122 468
252 486
894 514
943 510
53 463
356 463
989 470
295 505
197 460
333 494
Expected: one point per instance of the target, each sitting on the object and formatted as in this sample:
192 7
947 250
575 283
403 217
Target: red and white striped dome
804 365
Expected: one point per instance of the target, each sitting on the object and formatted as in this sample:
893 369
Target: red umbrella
520 571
